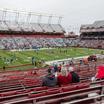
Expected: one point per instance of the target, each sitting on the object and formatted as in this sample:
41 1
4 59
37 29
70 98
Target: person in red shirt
64 77
100 73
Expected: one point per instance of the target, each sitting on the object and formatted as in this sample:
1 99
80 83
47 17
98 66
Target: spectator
59 67
81 61
4 68
55 68
100 74
33 60
85 60
75 76
71 62
49 80
64 78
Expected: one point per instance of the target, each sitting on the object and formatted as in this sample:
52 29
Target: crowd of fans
65 73
45 42
32 42
91 43
58 76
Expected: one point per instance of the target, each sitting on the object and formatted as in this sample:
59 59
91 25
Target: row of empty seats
51 95
31 27
24 87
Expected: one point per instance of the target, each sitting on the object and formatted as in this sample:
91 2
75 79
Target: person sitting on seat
75 76
100 73
55 68
49 80
85 61
64 77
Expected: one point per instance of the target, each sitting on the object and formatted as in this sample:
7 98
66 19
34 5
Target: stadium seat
8 93
39 88
53 92
69 88
37 95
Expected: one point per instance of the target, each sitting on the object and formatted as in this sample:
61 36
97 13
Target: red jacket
100 73
63 80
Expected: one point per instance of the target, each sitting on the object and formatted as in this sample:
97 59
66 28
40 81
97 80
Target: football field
15 58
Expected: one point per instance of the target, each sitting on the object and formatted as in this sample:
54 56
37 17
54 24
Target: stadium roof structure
16 21
97 26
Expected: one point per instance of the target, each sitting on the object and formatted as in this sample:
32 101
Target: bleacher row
13 42
30 27
30 42
25 87
92 35
87 39
91 43
97 26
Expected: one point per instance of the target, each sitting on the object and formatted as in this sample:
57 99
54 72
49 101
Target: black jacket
75 77
49 80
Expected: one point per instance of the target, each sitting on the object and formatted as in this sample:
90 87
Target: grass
9 58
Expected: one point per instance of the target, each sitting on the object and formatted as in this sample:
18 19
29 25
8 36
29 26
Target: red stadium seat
76 86
39 88
8 93
37 95
69 88
82 85
53 92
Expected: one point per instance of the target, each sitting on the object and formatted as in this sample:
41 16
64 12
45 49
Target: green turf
25 57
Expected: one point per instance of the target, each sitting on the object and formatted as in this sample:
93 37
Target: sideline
29 49
69 59
64 60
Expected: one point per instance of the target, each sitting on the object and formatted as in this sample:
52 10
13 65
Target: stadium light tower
4 15
39 18
16 17
5 18
28 17
50 19
59 19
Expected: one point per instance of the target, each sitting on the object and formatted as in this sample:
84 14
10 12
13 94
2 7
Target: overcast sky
75 12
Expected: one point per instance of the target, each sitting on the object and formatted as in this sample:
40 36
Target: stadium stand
16 34
32 41
25 87
22 87
92 35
